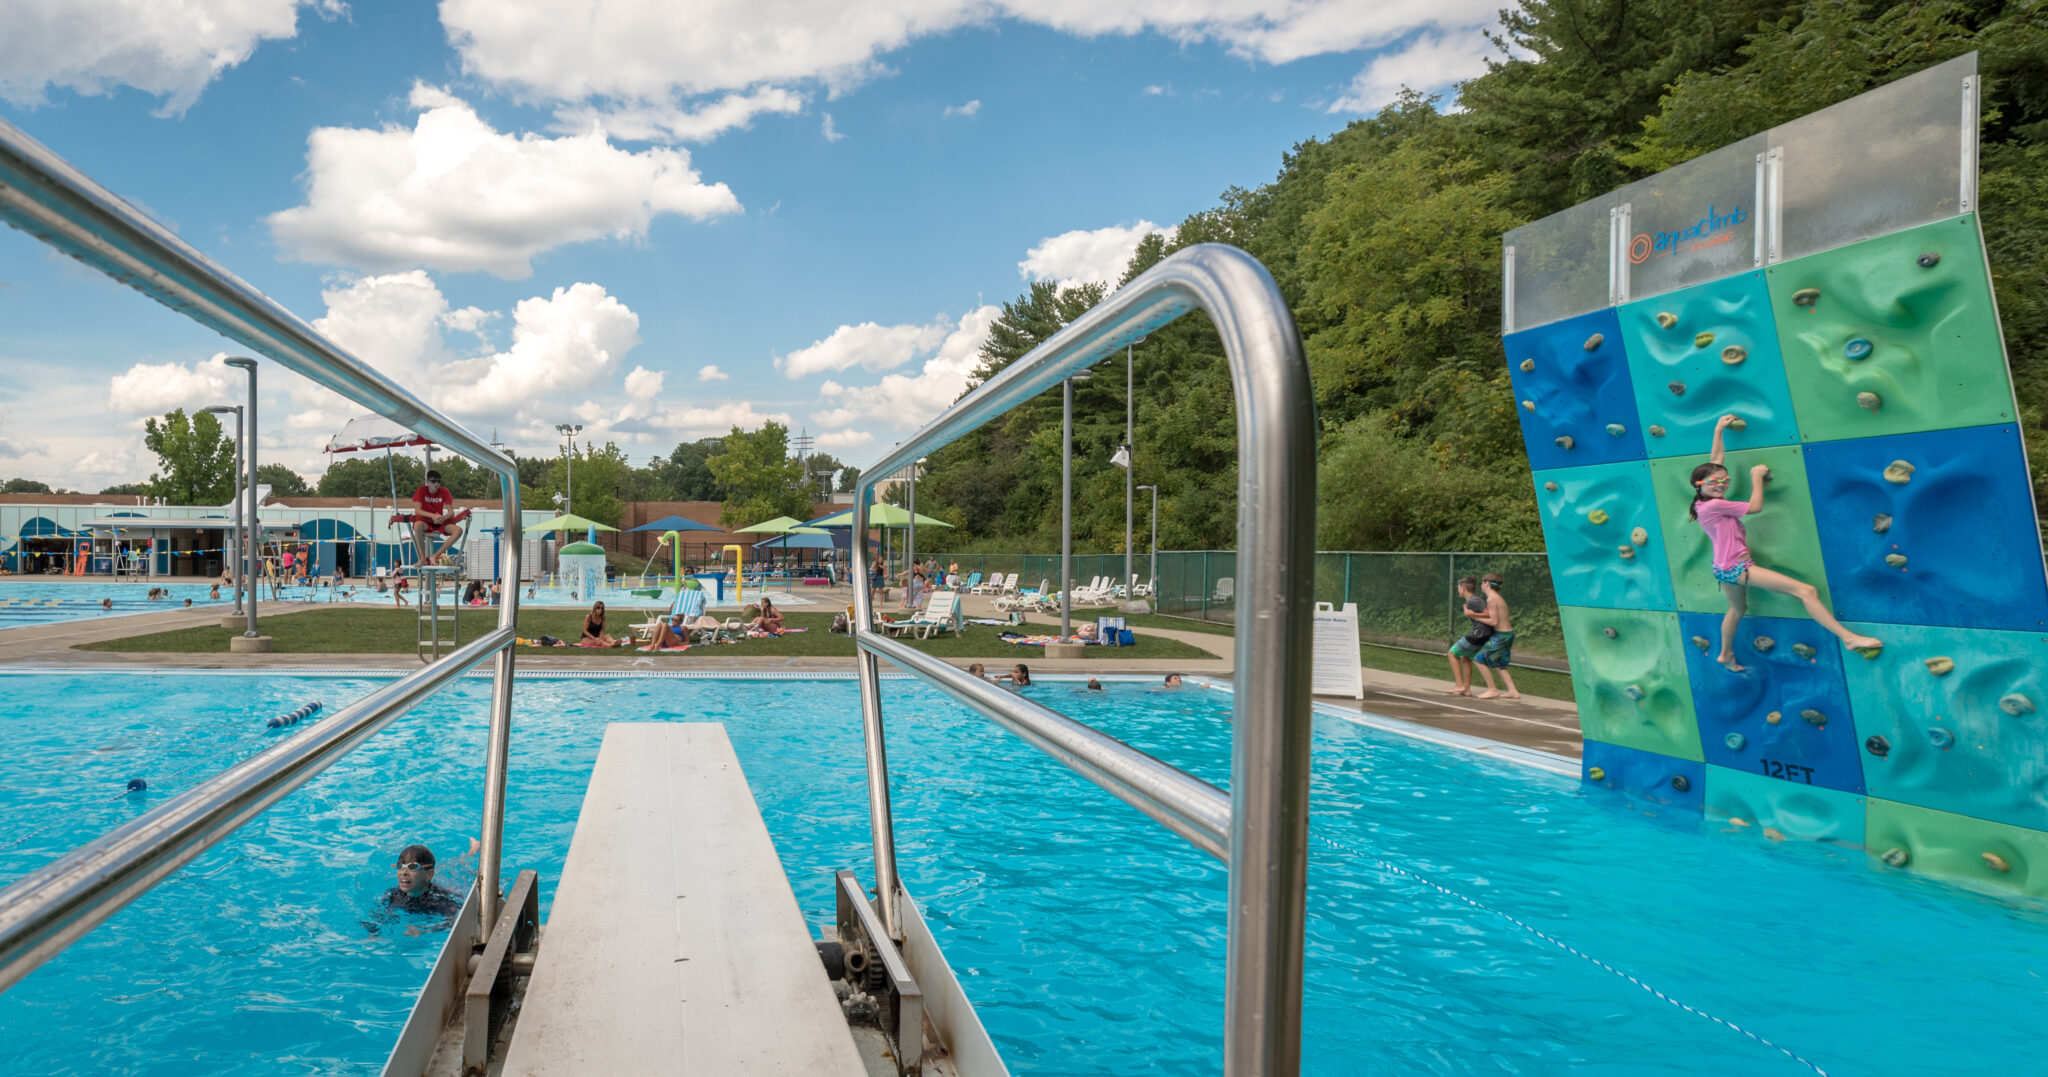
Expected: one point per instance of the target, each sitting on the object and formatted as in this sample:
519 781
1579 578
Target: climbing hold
1634 692
1895 857
1881 523
1896 560
1609 632
1703 643
1737 424
1528 365
1878 746
1702 340
1733 821
1940 738
1680 783
1806 297
1597 516
1774 833
1996 862
2015 704
1566 443
1656 431
1813 717
1869 402
1857 348
1550 486
1616 429
1594 341
1804 650
1870 653
1735 741
1627 552
1774 718
1639 536
1940 665
1596 774
1763 644
1677 388
1929 260
1899 473
1666 319
1528 405
137 785
1733 354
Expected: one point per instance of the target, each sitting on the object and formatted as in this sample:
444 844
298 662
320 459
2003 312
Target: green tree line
1385 240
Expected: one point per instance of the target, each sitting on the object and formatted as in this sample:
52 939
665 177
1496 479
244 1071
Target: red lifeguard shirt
436 502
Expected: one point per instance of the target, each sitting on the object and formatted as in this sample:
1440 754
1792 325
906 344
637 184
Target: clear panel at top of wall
1693 223
1558 267
1901 155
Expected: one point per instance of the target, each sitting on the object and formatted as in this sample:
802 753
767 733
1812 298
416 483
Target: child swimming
1721 519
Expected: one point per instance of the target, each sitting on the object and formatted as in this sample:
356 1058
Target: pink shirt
1721 519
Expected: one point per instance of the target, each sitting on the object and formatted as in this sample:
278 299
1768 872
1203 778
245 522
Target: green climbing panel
1808 812
1631 686
1954 847
1875 342
1782 536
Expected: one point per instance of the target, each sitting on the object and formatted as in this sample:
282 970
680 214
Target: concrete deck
675 944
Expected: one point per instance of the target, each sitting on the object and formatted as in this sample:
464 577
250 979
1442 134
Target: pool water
1090 939
23 603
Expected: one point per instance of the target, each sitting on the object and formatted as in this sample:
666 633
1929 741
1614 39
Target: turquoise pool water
24 603
1090 939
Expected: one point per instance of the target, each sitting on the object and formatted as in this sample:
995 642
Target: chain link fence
1407 600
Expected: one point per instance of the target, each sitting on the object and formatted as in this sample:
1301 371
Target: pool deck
1532 722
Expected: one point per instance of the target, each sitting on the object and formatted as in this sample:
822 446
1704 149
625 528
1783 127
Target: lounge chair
1226 589
973 581
994 586
940 613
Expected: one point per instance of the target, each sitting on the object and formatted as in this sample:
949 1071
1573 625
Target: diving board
675 944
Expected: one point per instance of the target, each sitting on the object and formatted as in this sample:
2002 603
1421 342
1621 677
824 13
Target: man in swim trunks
436 503
417 893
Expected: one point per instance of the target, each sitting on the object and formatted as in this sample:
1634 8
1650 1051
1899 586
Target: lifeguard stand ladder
439 630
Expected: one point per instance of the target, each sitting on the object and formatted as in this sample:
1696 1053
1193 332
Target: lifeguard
436 515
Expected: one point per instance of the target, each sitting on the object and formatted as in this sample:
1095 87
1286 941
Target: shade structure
568 522
813 538
371 432
881 516
781 525
675 523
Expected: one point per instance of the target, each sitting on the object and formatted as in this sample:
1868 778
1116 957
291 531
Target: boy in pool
417 894
1733 569
1466 648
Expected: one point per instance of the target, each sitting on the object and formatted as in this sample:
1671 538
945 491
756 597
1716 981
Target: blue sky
656 219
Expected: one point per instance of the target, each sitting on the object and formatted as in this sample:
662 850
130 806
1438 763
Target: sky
655 218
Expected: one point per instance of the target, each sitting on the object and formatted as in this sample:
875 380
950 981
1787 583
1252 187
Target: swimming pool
1090 939
26 603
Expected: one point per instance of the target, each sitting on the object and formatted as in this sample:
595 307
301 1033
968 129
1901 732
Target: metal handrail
1265 820
45 196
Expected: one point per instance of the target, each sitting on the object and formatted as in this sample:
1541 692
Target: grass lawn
1535 682
358 630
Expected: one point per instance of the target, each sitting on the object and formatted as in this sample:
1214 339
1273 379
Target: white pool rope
1567 948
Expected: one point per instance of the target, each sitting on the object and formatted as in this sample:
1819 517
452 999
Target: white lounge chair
942 612
993 585
1226 589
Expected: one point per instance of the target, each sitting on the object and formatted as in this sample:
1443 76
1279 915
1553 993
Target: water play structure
1826 283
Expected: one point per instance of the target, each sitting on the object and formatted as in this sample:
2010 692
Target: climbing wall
1863 361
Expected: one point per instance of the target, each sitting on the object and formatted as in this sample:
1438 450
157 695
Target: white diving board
675 944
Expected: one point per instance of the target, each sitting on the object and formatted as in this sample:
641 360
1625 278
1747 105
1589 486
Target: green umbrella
568 522
781 525
882 516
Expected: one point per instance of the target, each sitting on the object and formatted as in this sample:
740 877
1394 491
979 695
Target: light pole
569 432
910 535
236 544
1130 465
252 527
1067 504
1155 544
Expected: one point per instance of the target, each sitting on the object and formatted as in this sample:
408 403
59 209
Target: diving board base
675 944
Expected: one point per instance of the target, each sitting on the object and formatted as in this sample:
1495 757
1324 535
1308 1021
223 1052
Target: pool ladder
1260 828
432 618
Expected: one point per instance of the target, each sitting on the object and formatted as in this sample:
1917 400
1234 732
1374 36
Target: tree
372 477
849 477
685 475
196 461
283 481
761 480
127 489
25 486
599 476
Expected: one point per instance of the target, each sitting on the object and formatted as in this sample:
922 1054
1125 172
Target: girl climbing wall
1733 569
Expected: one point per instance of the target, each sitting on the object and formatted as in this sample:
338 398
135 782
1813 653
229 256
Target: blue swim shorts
1732 575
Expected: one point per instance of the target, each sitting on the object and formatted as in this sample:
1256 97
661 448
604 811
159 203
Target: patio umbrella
569 522
675 523
781 525
881 516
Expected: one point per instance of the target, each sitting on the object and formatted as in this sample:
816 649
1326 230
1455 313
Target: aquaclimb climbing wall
1826 283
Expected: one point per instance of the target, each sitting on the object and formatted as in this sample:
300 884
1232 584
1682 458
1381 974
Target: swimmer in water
1173 680
1019 676
417 893
1094 685
106 605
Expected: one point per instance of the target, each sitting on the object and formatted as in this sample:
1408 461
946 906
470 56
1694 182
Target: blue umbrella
675 523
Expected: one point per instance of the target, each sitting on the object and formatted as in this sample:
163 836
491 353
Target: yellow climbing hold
1702 643
2015 704
1899 472
1550 486
1656 431
1995 862
1733 821
1702 340
1597 516
1940 665
1896 560
1594 341
1774 833
1528 405
1806 297
1733 354
1869 402
1774 717
1666 319
1628 553
1596 774
1737 423
1528 365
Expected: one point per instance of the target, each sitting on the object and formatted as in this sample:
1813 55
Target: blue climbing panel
1786 715
1572 389
1680 783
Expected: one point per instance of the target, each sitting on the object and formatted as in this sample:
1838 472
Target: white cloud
643 383
968 109
696 422
155 388
710 372
672 122
1084 255
13 447
569 341
167 48
845 439
1429 62
1156 91
867 345
468 319
830 132
452 193
907 401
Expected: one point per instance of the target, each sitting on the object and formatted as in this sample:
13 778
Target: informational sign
1337 672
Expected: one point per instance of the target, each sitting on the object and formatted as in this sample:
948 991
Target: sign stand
1337 672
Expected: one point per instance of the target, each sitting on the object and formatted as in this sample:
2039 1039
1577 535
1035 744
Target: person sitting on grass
594 634
1019 676
770 620
669 635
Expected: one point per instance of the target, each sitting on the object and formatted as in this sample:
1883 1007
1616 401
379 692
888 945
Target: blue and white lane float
295 717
